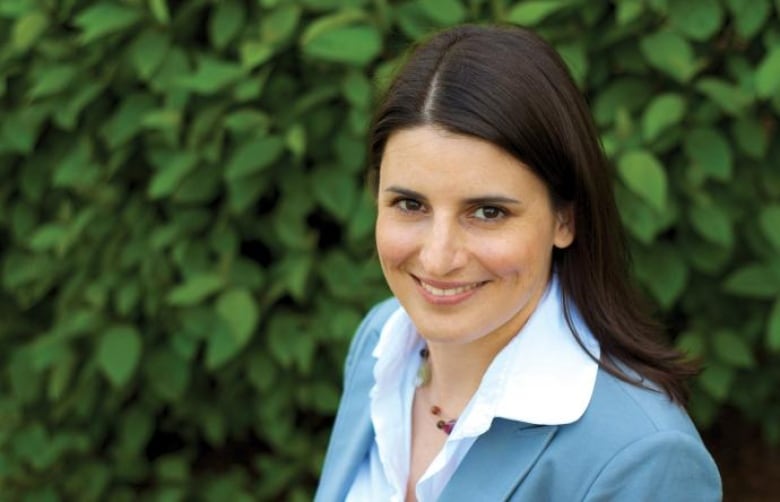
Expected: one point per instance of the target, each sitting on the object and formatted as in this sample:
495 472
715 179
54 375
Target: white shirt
542 376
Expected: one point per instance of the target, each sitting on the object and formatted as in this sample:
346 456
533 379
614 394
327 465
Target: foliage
187 244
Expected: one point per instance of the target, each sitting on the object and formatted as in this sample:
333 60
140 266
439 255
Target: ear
564 227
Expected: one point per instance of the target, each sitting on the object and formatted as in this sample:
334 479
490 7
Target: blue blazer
632 444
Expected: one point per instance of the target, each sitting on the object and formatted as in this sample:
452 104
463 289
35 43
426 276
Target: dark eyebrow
405 192
489 200
484 200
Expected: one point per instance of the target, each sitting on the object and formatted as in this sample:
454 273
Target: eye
408 205
489 213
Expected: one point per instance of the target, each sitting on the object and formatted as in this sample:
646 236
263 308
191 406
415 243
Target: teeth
447 292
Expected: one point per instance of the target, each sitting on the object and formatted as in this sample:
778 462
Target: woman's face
465 234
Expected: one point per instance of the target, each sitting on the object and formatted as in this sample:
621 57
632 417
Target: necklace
423 378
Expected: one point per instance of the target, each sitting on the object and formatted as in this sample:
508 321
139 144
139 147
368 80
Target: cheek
514 256
395 242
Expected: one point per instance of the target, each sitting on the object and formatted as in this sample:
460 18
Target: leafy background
186 241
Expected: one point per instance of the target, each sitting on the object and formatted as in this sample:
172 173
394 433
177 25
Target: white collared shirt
542 376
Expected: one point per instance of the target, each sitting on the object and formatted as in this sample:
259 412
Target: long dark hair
507 86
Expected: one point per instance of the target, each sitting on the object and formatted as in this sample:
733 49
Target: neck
457 370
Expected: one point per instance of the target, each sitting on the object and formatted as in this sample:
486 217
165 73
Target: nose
443 249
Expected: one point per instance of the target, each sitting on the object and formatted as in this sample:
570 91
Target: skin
465 234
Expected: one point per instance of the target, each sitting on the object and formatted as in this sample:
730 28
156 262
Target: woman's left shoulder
634 409
635 441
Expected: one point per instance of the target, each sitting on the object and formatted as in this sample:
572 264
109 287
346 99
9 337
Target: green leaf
670 53
104 19
413 21
160 11
626 93
751 136
533 12
293 274
664 111
243 192
628 11
67 115
148 52
773 328
61 374
730 98
195 290
128 120
221 345
76 168
767 76
239 310
705 257
356 45
248 120
692 344
749 15
717 380
167 374
254 156
697 19
337 271
28 29
645 176
335 190
357 89
54 78
50 236
135 427
641 220
663 271
770 224
254 54
709 152
211 76
732 349
118 352
361 222
754 280
226 20
261 371
576 57
444 12
288 342
279 25
177 165
713 223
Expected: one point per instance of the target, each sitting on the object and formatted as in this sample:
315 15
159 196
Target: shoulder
637 441
628 411
367 334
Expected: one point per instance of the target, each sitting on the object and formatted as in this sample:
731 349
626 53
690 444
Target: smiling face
465 234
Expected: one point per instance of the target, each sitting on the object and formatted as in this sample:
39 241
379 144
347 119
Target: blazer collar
352 432
498 461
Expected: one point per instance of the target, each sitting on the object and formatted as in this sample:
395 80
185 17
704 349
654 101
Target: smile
446 291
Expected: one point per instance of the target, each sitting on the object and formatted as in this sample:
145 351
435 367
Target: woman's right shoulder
367 334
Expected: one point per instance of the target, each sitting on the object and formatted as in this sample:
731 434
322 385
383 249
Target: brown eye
489 213
409 205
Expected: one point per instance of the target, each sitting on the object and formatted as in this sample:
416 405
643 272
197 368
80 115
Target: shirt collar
542 376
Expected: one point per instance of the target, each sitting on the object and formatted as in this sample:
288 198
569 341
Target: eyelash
400 203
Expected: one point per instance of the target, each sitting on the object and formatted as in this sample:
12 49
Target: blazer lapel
498 461
352 432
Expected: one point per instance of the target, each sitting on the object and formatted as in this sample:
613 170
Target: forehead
442 160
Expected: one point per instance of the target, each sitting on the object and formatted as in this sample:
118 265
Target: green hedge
186 242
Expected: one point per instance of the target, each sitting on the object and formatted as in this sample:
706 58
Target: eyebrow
483 200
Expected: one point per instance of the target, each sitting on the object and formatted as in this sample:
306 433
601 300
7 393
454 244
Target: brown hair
507 86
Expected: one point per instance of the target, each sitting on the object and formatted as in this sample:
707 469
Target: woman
516 362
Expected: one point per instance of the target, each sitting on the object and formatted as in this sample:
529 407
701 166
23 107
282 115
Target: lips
447 290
